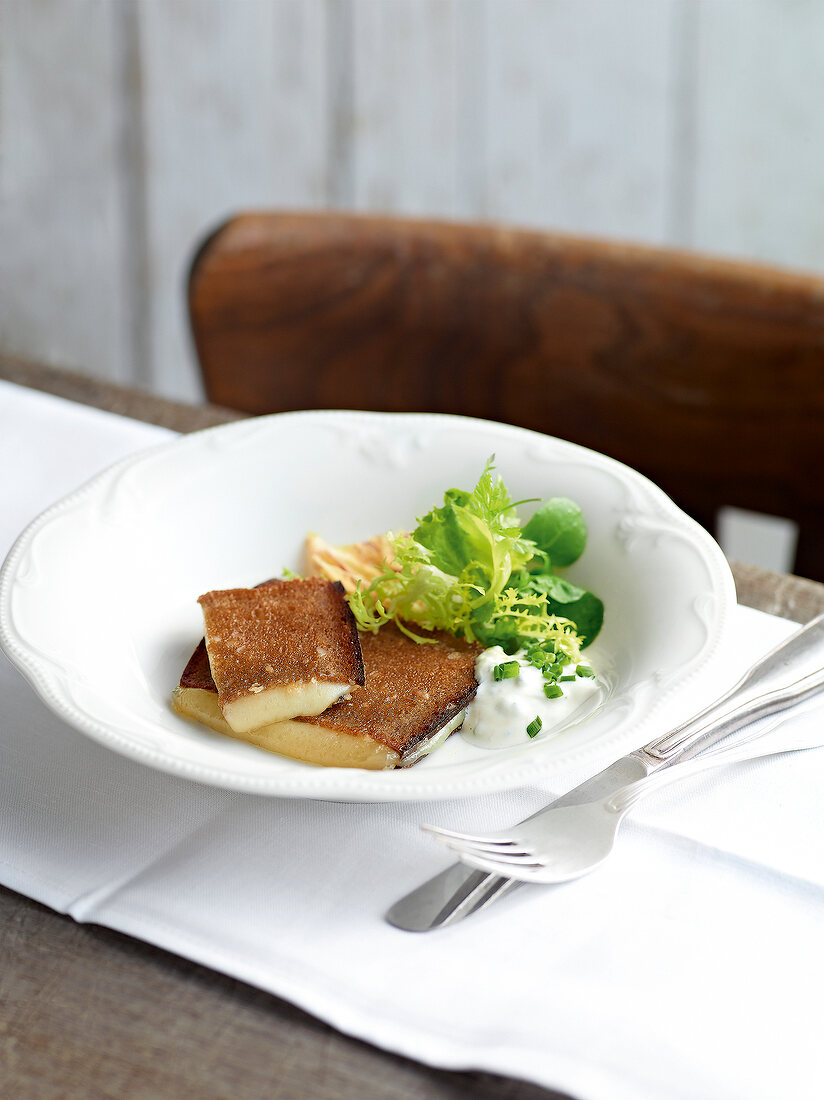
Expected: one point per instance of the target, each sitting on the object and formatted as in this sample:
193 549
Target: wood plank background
130 127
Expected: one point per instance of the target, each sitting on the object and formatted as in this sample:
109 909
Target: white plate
98 596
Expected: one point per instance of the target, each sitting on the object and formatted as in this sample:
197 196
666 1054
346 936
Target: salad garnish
471 569
506 670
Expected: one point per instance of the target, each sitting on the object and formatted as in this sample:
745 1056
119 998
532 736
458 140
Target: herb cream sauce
499 714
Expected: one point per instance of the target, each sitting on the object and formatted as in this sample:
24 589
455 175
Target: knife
788 674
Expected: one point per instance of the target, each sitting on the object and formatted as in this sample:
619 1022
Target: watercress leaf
558 589
568 600
559 530
587 612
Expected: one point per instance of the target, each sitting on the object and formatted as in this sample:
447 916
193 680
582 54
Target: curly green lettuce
469 568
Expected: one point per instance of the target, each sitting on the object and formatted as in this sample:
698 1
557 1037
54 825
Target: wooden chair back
705 375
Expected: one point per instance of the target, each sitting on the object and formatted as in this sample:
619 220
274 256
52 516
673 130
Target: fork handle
790 734
791 672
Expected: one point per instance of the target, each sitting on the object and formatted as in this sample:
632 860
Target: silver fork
566 842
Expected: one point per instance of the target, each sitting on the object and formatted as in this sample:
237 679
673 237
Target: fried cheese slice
286 648
413 698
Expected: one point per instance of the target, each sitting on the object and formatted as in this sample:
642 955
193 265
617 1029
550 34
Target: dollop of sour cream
499 714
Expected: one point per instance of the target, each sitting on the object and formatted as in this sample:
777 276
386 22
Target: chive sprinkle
565 679
534 727
506 670
543 654
553 691
584 670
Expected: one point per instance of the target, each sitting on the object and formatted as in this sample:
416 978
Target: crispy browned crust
284 632
411 689
198 671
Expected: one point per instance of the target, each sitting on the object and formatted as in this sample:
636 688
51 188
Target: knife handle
788 674
789 734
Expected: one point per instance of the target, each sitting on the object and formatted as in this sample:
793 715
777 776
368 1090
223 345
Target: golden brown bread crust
283 632
411 690
198 671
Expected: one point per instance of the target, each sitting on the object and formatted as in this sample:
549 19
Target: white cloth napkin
690 966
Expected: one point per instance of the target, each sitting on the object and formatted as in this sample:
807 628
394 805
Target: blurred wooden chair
707 376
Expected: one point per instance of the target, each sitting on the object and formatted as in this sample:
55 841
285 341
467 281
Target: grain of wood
62 293
408 78
89 1014
129 129
759 167
707 377
579 103
123 400
235 109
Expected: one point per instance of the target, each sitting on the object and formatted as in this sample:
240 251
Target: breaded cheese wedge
286 648
196 698
413 698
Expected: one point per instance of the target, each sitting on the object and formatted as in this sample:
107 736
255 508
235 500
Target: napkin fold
691 965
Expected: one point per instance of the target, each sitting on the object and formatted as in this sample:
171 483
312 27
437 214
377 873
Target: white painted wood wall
130 127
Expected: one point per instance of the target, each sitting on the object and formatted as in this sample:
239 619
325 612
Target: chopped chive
553 691
534 727
584 670
565 679
506 670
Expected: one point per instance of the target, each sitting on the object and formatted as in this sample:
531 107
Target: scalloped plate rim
305 781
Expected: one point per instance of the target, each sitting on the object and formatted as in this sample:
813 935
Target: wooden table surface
87 1013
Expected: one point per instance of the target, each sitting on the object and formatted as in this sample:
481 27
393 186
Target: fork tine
514 853
469 838
517 857
505 868
470 846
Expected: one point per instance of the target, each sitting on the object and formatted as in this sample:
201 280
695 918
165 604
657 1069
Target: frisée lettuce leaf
470 569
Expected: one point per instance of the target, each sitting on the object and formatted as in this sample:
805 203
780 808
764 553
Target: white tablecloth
691 965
